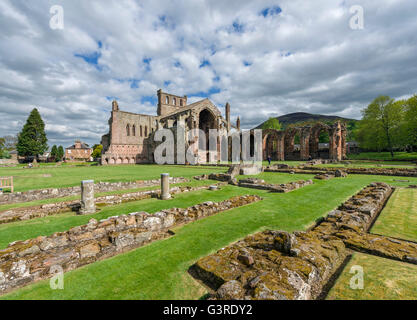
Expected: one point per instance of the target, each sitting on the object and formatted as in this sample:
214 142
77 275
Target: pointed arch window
128 130
146 131
141 131
134 130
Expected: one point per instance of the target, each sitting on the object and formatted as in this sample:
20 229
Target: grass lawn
66 176
159 270
384 279
192 183
371 164
383 156
399 217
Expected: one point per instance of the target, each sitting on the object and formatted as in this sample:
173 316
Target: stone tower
168 103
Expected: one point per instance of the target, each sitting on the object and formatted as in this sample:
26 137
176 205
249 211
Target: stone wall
27 213
8 161
41 194
278 265
24 262
398 172
280 188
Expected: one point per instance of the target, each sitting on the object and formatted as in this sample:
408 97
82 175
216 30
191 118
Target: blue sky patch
149 99
205 63
238 27
271 11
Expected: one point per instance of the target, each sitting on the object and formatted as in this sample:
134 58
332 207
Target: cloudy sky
266 57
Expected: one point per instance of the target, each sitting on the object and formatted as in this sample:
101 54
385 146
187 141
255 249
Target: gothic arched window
133 130
128 130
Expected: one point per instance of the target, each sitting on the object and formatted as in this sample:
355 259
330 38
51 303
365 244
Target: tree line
32 141
389 125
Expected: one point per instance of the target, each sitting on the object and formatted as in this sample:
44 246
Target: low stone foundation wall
399 172
280 188
278 265
24 262
27 213
41 194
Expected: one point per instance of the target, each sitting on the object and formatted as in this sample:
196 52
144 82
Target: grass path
384 279
399 218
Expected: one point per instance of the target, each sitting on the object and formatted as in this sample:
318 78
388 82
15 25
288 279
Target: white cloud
306 58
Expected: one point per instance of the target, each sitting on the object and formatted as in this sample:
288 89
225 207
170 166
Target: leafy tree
60 153
10 142
97 149
272 123
410 122
2 149
32 139
54 152
380 125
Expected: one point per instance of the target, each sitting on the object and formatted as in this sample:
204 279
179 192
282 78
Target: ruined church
131 136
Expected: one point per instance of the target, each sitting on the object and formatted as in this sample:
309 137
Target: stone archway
317 151
270 143
290 152
206 121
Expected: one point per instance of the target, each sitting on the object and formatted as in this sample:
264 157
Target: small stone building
78 152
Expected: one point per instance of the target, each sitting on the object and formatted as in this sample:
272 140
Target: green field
67 176
384 279
383 156
399 217
371 164
159 270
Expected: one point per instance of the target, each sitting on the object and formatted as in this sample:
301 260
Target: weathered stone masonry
50 193
278 265
24 262
27 213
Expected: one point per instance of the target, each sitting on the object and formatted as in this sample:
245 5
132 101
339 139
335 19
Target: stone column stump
165 195
88 205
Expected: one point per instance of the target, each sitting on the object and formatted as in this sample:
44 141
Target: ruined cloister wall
309 142
40 194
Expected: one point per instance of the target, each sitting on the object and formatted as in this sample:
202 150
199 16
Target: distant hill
304 118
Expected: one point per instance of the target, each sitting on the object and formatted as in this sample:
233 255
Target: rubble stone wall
24 262
279 265
279 188
399 172
41 194
27 213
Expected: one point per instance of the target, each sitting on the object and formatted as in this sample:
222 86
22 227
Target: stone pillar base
88 205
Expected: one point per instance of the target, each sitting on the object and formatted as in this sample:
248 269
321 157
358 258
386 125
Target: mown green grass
383 156
399 217
371 164
384 279
159 270
191 183
65 176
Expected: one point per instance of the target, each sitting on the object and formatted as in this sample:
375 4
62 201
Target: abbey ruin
131 136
